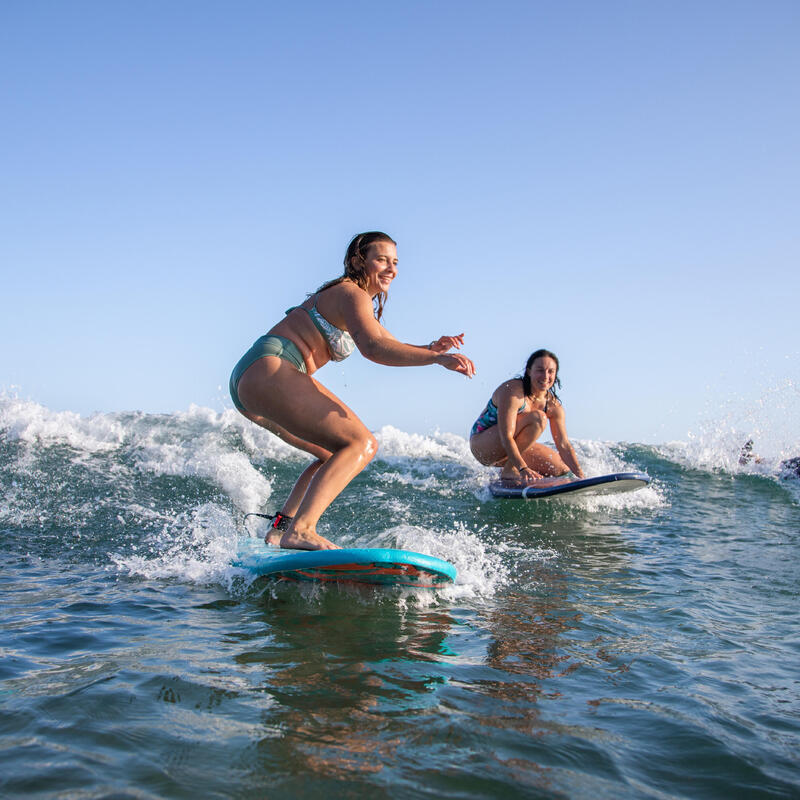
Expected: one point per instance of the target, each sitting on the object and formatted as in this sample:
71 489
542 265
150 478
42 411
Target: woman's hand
523 476
528 475
445 343
457 362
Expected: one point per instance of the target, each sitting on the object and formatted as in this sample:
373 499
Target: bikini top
340 343
488 417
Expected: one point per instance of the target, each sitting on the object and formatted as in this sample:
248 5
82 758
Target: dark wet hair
526 378
354 260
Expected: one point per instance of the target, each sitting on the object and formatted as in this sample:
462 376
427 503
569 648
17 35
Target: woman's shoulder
343 291
510 389
344 304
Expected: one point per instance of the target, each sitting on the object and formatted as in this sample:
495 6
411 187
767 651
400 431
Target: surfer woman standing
505 434
272 384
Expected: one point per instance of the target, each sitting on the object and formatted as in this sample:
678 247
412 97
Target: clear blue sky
616 181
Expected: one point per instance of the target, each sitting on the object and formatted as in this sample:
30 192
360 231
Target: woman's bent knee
362 443
538 419
483 453
369 447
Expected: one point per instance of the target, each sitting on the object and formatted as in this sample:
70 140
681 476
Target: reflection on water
338 666
357 679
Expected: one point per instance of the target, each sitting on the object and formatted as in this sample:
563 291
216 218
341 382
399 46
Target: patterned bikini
488 417
340 345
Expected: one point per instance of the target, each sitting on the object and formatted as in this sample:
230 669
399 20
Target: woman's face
380 266
543 373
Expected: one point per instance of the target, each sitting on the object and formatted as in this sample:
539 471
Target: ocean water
637 646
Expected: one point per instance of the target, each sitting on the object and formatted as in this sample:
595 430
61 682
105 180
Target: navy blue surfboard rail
601 484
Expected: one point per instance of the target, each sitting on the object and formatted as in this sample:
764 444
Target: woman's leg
321 455
292 502
544 460
530 426
289 508
299 407
487 447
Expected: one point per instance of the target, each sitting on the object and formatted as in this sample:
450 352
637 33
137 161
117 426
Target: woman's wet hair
526 378
355 262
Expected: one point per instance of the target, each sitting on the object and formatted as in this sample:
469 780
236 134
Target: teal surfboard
372 565
614 483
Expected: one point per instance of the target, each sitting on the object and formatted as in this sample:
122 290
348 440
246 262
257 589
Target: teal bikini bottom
267 345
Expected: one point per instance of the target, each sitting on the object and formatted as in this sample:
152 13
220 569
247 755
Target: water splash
771 423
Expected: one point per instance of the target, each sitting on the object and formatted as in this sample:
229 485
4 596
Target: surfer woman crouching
506 432
272 384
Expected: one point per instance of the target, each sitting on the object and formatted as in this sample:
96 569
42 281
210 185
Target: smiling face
543 373
380 267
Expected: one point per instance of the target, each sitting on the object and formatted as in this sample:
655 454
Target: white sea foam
194 547
479 565
196 443
445 447
32 423
205 456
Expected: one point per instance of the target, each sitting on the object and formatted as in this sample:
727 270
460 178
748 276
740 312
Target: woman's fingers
529 475
460 363
454 341
445 343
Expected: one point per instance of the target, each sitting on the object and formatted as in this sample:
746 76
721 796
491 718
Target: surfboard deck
614 483
370 565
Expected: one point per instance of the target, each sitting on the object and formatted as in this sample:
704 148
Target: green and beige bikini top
340 343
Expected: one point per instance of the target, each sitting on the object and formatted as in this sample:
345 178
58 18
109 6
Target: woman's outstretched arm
379 345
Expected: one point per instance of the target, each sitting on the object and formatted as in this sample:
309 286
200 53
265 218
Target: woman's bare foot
274 537
278 524
306 541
